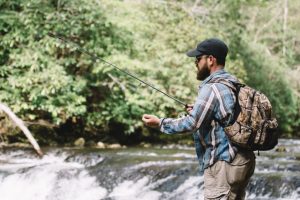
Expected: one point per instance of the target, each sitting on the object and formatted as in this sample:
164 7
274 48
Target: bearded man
227 168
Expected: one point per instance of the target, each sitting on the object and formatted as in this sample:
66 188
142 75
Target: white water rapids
135 173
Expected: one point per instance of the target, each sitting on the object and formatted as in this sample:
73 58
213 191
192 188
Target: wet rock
19 145
280 149
101 145
114 146
146 145
87 160
79 142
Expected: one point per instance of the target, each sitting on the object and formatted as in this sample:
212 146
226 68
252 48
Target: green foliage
255 56
43 78
157 57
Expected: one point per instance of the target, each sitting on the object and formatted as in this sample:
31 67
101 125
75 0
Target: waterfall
156 173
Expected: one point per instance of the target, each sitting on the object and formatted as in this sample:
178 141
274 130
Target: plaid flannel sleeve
201 113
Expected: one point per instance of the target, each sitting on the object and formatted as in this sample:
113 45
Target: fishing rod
95 57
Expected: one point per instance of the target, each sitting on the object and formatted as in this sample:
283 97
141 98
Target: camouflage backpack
253 126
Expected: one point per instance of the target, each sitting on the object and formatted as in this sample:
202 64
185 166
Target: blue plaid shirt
215 103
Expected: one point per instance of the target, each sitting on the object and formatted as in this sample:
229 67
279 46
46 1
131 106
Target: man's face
202 67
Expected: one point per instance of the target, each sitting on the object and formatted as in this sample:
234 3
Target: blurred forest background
62 94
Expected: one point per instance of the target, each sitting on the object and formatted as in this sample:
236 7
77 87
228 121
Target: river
159 172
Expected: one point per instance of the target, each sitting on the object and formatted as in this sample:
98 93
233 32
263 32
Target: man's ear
211 60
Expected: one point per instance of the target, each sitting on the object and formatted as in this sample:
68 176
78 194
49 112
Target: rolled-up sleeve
201 114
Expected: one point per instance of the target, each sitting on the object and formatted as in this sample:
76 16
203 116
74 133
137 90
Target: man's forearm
182 125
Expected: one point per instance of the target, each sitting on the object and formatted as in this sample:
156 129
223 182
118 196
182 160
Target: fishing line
95 57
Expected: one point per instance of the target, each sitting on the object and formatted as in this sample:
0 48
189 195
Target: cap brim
194 53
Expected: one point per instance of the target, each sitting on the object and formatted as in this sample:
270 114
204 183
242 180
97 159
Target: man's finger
190 106
146 116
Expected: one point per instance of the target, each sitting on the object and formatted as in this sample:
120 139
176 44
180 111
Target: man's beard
203 73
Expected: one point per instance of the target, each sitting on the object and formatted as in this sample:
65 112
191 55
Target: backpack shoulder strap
235 87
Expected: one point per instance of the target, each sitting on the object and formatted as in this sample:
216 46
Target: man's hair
221 61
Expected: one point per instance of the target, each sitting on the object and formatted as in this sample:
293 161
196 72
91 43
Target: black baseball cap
212 46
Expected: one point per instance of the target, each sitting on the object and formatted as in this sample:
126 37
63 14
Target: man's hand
151 121
189 108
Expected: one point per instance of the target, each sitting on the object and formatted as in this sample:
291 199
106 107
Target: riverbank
47 134
74 135
100 140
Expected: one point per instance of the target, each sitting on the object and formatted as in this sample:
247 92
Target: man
227 168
